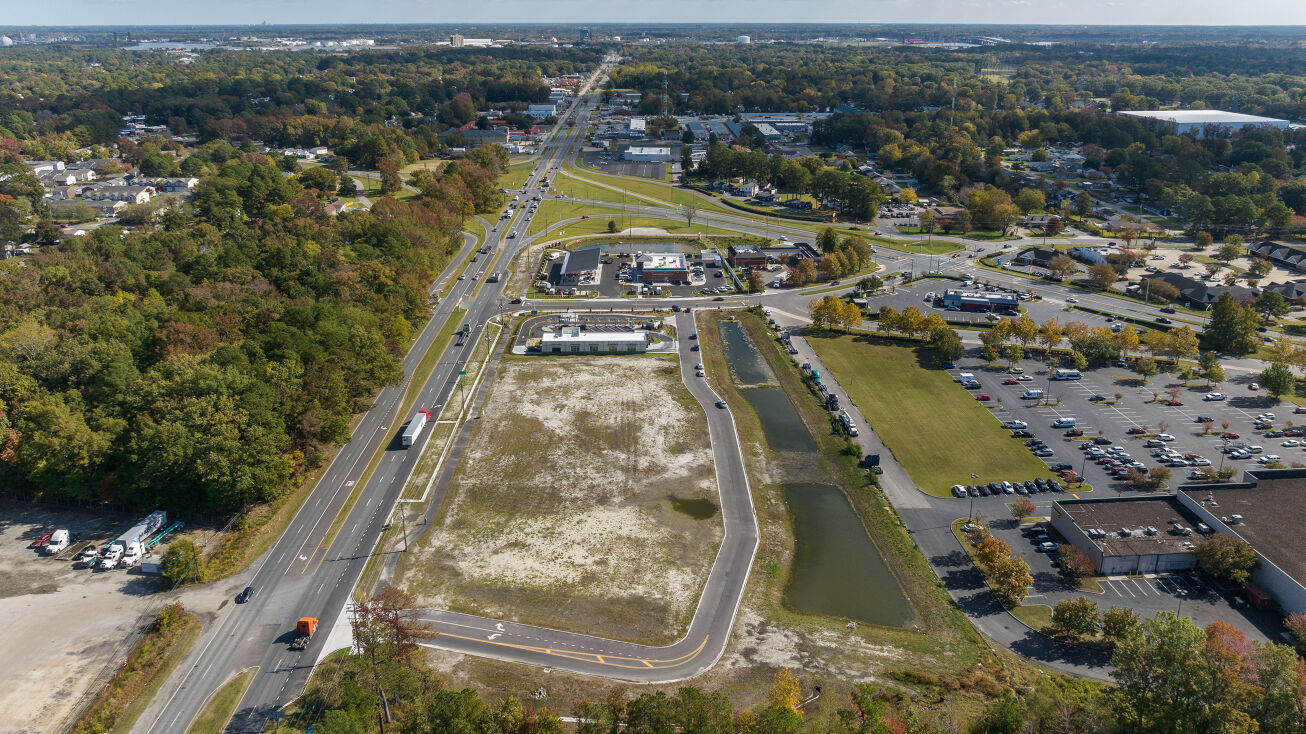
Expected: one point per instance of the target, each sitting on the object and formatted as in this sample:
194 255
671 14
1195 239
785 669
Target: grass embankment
217 712
936 430
516 176
149 663
552 212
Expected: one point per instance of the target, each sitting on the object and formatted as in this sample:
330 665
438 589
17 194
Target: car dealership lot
1091 402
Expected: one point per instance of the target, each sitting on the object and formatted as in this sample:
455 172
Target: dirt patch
65 628
561 513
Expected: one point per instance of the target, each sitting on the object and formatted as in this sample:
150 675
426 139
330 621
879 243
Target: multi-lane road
314 566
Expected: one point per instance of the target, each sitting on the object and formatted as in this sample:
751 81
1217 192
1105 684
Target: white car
1267 458
1072 299
1215 396
1201 462
1164 437
1015 425
1290 443
1265 417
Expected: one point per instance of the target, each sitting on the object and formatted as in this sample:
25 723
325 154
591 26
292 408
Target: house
1039 256
128 194
947 216
57 178
107 207
39 167
1039 221
175 185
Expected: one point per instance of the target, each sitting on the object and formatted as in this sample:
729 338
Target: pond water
699 509
837 570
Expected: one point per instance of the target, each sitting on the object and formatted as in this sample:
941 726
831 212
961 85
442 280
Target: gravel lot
65 628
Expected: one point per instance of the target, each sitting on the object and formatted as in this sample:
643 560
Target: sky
1059 12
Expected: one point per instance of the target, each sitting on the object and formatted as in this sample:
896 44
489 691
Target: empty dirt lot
64 627
571 507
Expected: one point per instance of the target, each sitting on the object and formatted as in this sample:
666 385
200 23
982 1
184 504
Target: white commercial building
541 111
574 340
637 127
743 40
1207 123
648 154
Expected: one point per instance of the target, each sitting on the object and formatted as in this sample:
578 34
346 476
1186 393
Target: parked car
983 397
1043 452
1214 396
1074 432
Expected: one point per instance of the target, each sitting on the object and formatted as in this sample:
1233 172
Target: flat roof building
746 256
979 300
574 340
662 267
1122 535
1267 510
1206 123
648 154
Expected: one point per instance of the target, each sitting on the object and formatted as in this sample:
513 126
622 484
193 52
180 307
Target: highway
313 568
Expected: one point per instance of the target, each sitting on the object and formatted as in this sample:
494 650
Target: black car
1098 399
1030 486
1168 309
1061 466
1021 433
983 490
1034 442
1163 320
1042 485
245 595
972 490
995 488
693 348
1102 441
1054 484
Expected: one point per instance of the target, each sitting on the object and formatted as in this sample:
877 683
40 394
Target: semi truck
414 428
129 544
304 630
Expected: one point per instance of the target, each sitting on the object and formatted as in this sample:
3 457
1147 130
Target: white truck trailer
414 428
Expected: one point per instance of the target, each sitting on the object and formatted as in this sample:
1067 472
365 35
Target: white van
58 541
1063 423
1032 395
965 377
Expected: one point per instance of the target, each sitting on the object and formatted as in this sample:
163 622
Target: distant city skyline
1011 12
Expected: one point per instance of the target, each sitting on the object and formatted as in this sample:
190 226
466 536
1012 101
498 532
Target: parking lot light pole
973 476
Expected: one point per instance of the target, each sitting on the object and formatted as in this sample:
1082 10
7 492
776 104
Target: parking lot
1098 414
1191 593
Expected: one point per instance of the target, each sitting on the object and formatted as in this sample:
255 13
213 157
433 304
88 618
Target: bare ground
561 515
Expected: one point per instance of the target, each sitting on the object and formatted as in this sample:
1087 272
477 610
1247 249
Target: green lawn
1038 616
935 429
552 212
516 176
213 719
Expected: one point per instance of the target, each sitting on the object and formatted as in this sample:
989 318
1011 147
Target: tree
828 240
1202 240
183 563
1022 508
689 211
1277 380
1259 268
1232 327
786 693
1229 252
1074 619
946 345
1030 200
755 284
390 181
1272 304
1211 368
347 187
1075 561
612 226
1296 624
1226 557
1004 716
889 319
1101 275
1160 674
1010 579
1120 623
1083 204
927 220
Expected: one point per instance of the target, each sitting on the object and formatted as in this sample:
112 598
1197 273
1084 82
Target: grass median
936 430
217 712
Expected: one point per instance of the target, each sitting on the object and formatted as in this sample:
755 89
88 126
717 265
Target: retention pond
837 569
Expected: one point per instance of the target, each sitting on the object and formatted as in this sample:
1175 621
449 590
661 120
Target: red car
1230 435
45 538
1136 431
1011 381
1174 403
983 397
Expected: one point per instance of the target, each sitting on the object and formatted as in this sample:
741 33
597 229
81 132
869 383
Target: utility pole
403 522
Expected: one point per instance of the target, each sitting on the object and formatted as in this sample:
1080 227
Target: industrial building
575 340
662 267
1123 535
1206 123
541 111
979 301
1267 510
647 154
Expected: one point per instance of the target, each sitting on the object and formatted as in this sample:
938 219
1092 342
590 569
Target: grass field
213 719
427 165
1038 616
599 225
516 176
552 212
936 430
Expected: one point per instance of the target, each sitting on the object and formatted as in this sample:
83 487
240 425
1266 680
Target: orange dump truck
304 630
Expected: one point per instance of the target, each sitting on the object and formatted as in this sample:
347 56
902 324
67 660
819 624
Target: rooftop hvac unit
1236 519
1150 530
